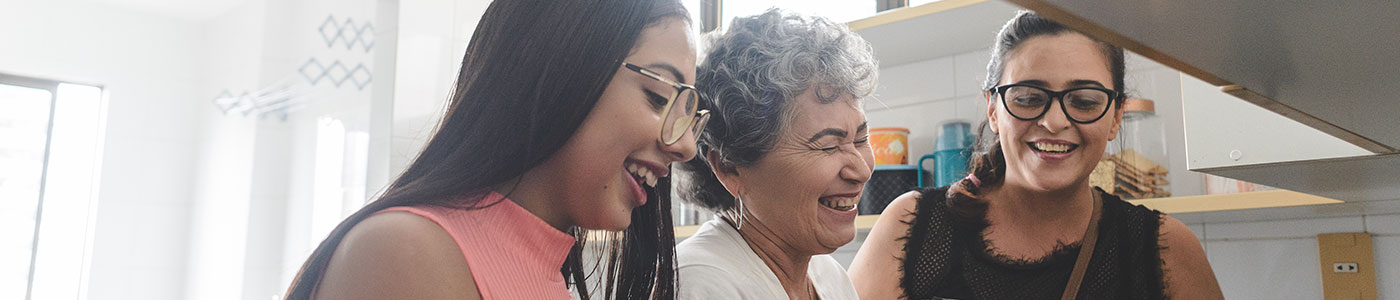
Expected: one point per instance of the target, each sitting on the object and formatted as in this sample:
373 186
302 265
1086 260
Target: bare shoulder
397 255
875 271
1186 272
895 220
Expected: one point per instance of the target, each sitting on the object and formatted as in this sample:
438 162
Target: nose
860 166
1056 118
683 149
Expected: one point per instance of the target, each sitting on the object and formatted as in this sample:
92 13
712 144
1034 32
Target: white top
716 263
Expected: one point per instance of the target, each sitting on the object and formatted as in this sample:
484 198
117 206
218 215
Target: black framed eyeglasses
1082 105
677 118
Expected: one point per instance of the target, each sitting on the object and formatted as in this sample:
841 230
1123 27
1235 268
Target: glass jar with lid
1138 155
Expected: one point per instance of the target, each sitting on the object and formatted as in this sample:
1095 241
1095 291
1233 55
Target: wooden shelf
1171 205
1247 200
939 29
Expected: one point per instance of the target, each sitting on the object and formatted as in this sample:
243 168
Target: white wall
1278 259
143 61
433 37
256 215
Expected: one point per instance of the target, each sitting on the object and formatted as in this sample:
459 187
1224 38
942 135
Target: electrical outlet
1344 268
1348 266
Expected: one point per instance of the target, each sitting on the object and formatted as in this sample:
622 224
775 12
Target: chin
609 214
841 236
846 236
838 239
609 223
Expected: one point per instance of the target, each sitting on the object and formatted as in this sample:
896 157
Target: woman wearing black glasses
1025 224
565 116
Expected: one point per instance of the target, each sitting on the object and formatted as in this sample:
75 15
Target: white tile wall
433 37
1267 269
1387 252
971 108
970 70
1134 62
1198 229
1282 229
1384 224
468 13
915 82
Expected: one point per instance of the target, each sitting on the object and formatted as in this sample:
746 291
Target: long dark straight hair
532 72
988 163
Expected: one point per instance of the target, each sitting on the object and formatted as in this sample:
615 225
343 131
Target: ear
727 175
991 111
1117 120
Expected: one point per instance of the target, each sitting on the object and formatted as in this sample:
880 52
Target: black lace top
948 258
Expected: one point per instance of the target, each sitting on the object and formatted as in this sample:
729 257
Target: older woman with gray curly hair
782 160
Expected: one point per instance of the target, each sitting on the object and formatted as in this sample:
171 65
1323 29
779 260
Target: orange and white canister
891 145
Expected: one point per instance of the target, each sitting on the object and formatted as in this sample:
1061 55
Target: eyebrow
835 132
1073 83
669 68
1083 82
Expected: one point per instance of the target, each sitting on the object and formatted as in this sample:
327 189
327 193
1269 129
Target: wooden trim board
1247 200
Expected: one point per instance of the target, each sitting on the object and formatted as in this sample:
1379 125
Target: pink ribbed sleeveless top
511 252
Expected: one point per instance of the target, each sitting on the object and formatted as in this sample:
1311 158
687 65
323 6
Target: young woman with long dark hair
564 117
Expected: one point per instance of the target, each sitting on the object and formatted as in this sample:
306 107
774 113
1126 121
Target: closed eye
657 101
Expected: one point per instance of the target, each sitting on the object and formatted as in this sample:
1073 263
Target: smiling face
600 174
1053 153
806 188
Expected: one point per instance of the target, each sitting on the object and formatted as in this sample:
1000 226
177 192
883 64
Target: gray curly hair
751 73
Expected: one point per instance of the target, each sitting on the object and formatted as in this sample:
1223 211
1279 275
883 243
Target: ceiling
189 10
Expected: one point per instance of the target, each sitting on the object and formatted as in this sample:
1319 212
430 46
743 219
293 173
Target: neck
1014 204
788 266
531 194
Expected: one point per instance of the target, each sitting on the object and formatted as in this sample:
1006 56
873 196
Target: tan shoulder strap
1086 251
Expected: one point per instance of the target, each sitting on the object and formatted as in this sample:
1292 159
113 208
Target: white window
50 141
836 10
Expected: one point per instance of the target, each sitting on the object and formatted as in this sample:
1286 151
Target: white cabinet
1223 131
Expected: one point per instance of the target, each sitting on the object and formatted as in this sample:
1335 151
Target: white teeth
643 174
1048 147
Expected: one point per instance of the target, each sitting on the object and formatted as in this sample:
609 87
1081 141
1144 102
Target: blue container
952 151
